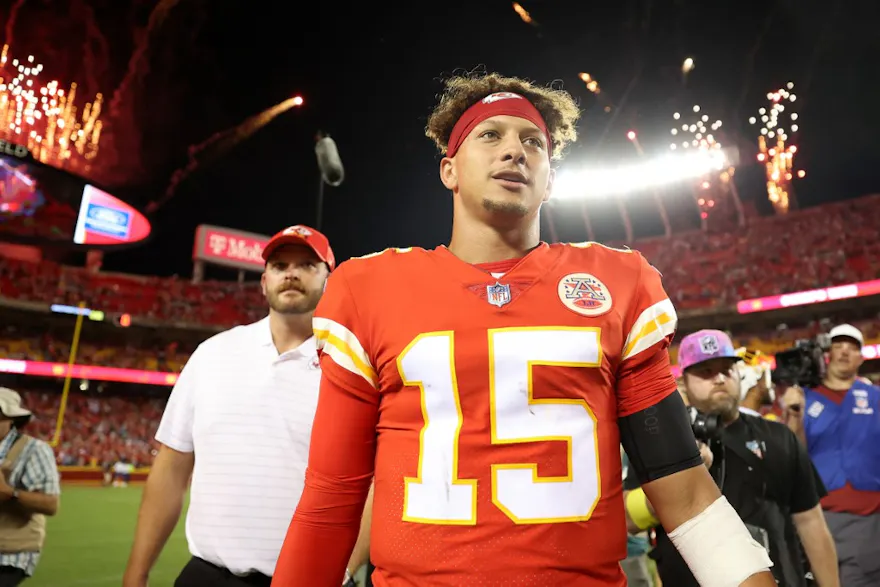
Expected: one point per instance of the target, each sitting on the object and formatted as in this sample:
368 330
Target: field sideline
88 542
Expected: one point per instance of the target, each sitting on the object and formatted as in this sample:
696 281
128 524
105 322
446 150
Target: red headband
498 104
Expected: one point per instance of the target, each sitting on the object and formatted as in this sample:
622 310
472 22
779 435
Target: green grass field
88 542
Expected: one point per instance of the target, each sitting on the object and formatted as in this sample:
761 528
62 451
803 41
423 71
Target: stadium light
663 170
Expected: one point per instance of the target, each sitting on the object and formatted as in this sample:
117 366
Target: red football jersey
487 408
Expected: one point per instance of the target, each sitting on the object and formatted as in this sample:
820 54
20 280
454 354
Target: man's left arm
807 489
655 430
40 480
818 546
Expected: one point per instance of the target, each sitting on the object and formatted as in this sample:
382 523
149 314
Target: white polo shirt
247 413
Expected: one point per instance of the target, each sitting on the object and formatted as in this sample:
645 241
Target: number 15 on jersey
437 495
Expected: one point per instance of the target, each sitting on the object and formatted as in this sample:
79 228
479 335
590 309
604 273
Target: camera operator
837 416
758 465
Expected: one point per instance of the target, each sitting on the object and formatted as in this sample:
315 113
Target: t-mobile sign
229 247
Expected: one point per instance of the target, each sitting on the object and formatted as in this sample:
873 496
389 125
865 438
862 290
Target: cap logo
500 96
709 345
299 231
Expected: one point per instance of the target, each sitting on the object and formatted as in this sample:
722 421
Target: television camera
803 364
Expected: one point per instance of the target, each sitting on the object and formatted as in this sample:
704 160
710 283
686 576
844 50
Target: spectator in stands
840 423
29 490
244 404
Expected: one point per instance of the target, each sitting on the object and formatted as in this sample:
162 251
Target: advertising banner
229 247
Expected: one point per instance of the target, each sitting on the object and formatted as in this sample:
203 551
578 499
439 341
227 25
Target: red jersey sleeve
644 376
325 526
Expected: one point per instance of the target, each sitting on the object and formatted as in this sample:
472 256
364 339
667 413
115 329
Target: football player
487 386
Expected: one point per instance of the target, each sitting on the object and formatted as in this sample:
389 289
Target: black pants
200 573
370 569
11 576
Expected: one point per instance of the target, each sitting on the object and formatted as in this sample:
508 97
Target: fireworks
222 142
687 65
691 133
523 13
45 118
591 84
777 156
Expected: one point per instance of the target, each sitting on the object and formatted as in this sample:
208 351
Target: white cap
849 331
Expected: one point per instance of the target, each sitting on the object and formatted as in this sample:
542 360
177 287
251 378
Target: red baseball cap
302 235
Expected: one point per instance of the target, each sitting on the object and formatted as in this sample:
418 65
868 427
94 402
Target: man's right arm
169 476
160 510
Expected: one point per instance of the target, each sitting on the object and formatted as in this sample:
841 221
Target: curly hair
556 106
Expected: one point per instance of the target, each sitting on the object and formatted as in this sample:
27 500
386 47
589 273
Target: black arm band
659 440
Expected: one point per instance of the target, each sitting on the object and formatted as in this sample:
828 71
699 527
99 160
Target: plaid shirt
35 470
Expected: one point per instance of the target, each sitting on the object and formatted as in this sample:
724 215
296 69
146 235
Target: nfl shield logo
709 345
498 294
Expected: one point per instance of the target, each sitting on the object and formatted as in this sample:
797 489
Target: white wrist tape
717 547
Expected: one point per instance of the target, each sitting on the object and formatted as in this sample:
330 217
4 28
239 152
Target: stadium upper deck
828 245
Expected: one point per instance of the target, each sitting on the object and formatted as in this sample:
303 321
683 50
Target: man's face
5 426
844 357
713 386
293 280
502 170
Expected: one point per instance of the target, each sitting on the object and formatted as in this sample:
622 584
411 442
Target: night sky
369 76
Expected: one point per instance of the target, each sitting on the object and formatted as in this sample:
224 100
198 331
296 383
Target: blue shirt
844 439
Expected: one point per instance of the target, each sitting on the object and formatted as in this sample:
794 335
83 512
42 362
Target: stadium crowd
813 250
832 244
98 429
167 299
827 245
170 357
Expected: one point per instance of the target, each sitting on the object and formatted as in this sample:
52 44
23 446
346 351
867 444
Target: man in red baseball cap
244 404
302 235
298 261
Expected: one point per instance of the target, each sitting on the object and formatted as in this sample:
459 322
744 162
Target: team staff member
758 464
490 384
239 421
29 490
840 423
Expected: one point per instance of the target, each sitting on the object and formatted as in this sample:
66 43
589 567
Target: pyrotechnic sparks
523 13
221 143
775 153
45 118
690 131
591 83
687 66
